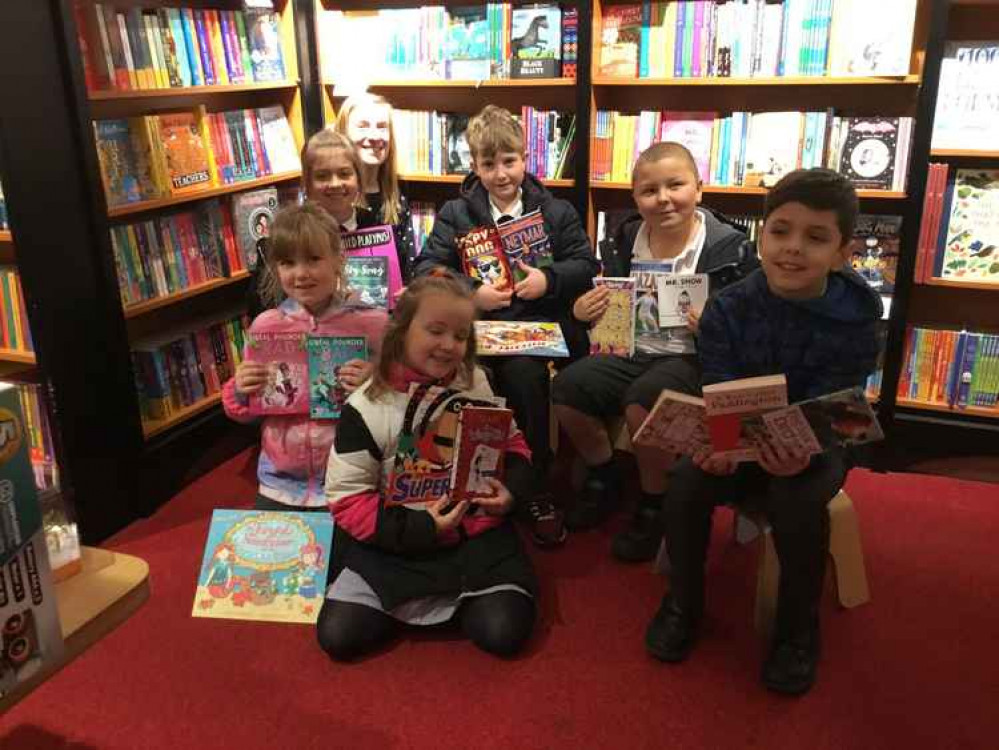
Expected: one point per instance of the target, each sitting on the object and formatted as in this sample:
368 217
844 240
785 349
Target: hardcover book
459 156
376 242
620 40
971 234
252 214
525 239
479 448
694 130
872 39
867 157
536 41
326 355
278 140
966 100
483 258
614 331
264 45
187 158
678 295
734 413
368 277
874 250
287 387
119 171
532 339
650 337
264 566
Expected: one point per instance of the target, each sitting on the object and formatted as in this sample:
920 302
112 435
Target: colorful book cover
620 40
772 147
467 33
119 171
264 566
459 156
614 331
872 39
972 231
693 130
326 354
874 250
678 295
525 239
287 387
535 41
650 337
278 141
677 423
368 277
969 86
734 413
867 157
837 419
376 242
479 448
483 257
532 339
187 159
252 215
265 45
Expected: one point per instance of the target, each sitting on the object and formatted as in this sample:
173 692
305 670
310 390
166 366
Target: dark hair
664 150
821 190
439 281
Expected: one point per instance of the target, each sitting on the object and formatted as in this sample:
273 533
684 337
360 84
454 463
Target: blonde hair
393 351
665 150
295 231
388 177
492 131
321 141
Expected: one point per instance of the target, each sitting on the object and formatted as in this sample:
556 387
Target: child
497 190
422 563
805 315
669 226
305 260
367 120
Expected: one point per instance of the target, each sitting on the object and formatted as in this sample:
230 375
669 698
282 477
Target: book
483 257
838 419
186 154
278 141
868 153
376 242
459 156
527 338
326 354
677 423
252 215
872 39
119 170
525 239
694 131
678 295
479 448
734 409
770 153
268 566
970 237
620 38
965 116
650 337
614 331
535 41
264 44
287 387
874 250
368 277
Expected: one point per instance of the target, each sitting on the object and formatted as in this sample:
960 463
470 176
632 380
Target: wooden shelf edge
19 356
740 190
974 411
236 187
457 179
433 83
153 428
963 153
141 308
946 283
115 95
908 80
6 236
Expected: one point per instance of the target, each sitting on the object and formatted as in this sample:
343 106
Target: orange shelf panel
115 95
155 427
236 187
982 285
19 356
458 178
739 190
141 308
976 411
6 236
909 80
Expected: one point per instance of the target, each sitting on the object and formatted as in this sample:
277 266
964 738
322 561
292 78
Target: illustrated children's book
467 45
483 258
188 160
536 41
874 250
966 100
676 424
614 331
532 339
970 237
376 242
368 277
734 413
265 45
421 469
868 154
479 447
287 387
525 239
650 337
872 39
252 214
326 354
620 38
264 566
678 295
841 418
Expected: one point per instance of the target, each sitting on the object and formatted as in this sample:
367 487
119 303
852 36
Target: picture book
252 214
466 44
266 566
693 130
264 45
287 387
874 250
532 339
734 413
676 424
326 354
535 41
772 147
650 337
867 156
620 40
278 140
967 97
525 239
837 419
872 39
115 153
970 237
479 447
376 242
421 469
679 293
368 277
483 258
187 158
614 331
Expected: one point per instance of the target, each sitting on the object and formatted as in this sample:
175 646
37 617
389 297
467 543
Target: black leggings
499 623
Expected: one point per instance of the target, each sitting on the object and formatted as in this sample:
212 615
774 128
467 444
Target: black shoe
546 521
790 668
641 540
671 635
592 507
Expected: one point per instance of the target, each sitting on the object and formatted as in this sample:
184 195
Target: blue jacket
822 345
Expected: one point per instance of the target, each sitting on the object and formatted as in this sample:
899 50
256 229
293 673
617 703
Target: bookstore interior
146 144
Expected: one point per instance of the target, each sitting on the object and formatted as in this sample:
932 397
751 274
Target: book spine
204 48
191 45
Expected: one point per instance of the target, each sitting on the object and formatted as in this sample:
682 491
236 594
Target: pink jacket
294 448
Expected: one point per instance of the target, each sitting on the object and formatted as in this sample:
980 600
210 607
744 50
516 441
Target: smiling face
666 192
799 246
334 182
369 130
309 278
502 175
438 335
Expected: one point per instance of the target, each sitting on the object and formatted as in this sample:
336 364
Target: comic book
287 387
326 354
614 331
479 447
483 258
679 293
368 277
874 250
264 566
525 239
528 338
376 242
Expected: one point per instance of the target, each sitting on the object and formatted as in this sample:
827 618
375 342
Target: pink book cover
287 360
693 130
376 242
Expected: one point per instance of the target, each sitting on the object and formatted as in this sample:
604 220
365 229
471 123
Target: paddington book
479 447
287 388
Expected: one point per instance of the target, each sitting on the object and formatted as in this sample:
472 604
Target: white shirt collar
515 211
686 261
351 224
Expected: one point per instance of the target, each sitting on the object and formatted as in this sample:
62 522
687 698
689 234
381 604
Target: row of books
757 148
175 153
952 368
134 49
756 38
39 433
965 116
180 368
434 142
15 333
959 234
470 42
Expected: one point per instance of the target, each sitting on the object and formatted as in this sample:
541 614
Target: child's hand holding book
497 504
488 297
447 515
250 377
779 461
591 305
351 375
533 285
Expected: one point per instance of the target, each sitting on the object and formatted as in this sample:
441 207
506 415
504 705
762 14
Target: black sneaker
546 521
591 507
791 666
641 540
672 633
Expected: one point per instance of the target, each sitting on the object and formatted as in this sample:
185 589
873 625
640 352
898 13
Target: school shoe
672 633
546 521
793 661
593 505
640 542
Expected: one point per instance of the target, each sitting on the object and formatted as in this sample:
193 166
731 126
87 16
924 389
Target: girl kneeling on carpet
422 563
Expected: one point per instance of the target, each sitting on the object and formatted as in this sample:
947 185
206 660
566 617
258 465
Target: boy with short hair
499 190
806 314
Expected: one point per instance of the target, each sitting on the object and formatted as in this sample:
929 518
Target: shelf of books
197 122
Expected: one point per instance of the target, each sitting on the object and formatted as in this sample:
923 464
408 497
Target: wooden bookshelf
190 91
147 306
237 187
457 179
444 83
740 190
17 356
974 411
152 428
907 80
948 284
956 153
5 236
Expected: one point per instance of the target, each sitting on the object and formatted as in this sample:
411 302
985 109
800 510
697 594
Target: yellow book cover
669 39
151 128
218 49
147 163
156 51
203 128
187 156
15 310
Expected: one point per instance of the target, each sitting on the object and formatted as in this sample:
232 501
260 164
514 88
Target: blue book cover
326 354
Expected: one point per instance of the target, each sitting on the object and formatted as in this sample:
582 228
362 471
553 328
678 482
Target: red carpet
916 668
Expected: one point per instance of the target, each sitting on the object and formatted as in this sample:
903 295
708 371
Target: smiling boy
806 314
